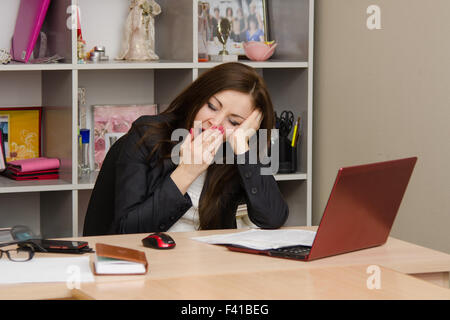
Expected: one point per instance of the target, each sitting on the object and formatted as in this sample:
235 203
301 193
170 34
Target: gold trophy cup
223 32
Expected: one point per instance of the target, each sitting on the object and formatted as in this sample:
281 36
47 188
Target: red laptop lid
362 207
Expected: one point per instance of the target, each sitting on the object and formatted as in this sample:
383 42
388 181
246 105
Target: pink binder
28 25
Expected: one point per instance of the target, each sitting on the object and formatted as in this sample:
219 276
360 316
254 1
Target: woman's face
226 108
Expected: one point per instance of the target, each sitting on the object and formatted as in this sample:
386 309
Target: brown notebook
114 260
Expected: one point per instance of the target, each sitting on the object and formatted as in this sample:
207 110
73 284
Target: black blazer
133 194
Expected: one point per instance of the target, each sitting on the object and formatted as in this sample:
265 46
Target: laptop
359 214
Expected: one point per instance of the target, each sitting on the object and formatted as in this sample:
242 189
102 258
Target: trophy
223 32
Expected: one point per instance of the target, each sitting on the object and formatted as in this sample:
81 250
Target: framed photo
21 129
248 20
113 121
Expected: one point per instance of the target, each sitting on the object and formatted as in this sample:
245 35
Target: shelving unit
57 207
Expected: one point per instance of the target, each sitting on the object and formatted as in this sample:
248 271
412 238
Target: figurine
139 37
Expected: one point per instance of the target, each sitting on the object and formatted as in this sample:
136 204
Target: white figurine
139 37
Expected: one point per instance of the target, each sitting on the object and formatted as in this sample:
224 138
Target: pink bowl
259 51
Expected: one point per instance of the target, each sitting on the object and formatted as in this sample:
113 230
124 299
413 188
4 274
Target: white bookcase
56 208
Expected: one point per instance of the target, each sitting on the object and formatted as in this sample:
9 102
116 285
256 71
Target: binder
29 21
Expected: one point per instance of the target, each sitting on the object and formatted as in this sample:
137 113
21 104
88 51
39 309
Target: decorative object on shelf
81 54
203 31
84 167
259 51
41 168
139 37
223 33
29 21
5 57
113 121
98 54
248 21
21 128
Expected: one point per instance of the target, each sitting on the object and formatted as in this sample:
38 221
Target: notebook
114 260
29 21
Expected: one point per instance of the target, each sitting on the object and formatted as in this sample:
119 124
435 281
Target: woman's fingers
204 146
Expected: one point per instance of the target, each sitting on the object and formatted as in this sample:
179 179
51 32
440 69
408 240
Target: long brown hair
181 114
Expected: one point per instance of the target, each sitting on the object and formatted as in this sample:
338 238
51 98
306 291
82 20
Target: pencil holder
288 156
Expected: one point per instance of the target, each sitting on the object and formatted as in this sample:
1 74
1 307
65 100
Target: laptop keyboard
297 252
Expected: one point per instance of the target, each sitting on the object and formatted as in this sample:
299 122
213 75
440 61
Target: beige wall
385 94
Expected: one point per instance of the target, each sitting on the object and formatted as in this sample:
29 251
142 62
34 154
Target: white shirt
190 220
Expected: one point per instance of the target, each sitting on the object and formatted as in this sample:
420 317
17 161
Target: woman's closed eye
211 106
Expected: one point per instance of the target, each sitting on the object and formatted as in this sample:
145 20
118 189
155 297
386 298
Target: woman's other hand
239 137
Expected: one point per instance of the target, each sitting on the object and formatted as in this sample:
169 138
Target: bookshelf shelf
57 207
18 66
11 186
120 65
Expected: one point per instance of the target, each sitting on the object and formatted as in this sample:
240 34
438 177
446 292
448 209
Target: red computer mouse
158 240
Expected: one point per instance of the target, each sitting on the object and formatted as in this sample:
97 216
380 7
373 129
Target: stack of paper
263 239
46 270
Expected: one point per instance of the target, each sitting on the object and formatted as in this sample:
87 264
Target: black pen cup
288 156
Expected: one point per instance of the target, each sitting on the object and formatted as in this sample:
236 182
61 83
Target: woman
254 33
140 188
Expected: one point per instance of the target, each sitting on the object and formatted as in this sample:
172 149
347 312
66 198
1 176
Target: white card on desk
46 270
263 239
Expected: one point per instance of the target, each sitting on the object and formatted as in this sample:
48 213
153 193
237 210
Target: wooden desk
192 261
316 283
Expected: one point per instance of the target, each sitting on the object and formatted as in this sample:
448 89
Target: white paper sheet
263 239
46 270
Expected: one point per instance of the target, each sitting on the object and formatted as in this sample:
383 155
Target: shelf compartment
289 27
103 22
46 213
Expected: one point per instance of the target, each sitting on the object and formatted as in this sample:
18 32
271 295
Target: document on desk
46 270
263 239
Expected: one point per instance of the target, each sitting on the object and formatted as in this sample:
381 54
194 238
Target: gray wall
385 94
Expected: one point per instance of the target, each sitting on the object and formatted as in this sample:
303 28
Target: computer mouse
158 240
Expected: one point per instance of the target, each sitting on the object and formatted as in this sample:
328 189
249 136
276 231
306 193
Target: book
115 260
34 175
34 164
29 21
2 153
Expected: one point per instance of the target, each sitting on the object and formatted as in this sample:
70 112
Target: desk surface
200 265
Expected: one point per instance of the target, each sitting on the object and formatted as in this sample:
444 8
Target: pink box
113 121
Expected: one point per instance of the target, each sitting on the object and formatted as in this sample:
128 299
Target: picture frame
110 122
249 22
22 129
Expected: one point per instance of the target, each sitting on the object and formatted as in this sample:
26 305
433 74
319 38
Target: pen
298 130
294 135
